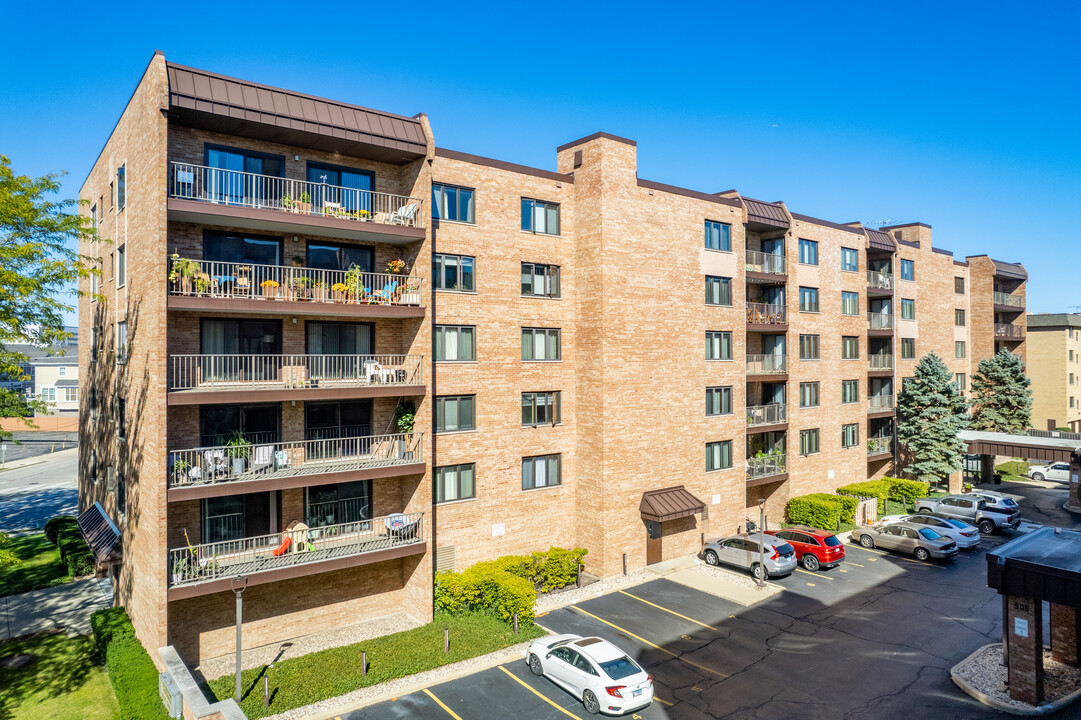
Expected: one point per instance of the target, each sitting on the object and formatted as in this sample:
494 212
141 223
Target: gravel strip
985 672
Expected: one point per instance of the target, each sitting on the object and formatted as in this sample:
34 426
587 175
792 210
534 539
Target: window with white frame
48 394
959 348
121 265
541 471
121 188
455 482
62 371
540 344
71 394
540 217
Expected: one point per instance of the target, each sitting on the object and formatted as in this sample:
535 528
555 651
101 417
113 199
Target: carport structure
1052 449
1042 566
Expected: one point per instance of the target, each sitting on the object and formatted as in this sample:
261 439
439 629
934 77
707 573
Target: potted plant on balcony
300 287
298 261
354 283
364 216
180 470
396 266
319 291
181 272
338 292
288 203
304 205
181 567
239 450
269 288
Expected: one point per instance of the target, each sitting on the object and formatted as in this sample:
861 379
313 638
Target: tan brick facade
1054 366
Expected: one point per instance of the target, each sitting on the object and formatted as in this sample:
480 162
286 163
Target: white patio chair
262 457
372 370
215 462
388 375
403 215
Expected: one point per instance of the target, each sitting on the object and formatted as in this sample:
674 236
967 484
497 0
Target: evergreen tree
1001 395
930 413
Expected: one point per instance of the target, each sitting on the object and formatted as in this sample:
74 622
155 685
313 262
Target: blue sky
965 116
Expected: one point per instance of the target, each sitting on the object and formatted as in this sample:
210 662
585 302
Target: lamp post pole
238 584
761 541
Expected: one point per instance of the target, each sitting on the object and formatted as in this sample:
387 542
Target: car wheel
810 562
866 541
986 527
535 665
921 554
589 701
711 558
757 572
1038 477
924 511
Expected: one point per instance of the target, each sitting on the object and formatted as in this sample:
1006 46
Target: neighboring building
56 381
595 359
1054 365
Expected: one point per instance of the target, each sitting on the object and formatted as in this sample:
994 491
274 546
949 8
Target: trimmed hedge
888 488
820 510
74 552
879 489
131 671
54 525
908 490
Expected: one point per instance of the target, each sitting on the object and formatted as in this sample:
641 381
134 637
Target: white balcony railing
766 364
765 314
879 280
237 372
268 460
233 280
880 445
765 262
771 414
1006 330
880 362
879 403
1016 301
301 545
267 192
880 321
765 466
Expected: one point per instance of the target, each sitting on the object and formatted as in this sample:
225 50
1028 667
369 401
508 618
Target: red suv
815 548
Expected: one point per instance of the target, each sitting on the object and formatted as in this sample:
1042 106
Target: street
33 493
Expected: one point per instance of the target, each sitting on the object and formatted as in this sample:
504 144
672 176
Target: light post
761 579
238 584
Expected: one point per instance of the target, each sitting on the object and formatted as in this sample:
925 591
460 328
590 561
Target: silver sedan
918 540
966 536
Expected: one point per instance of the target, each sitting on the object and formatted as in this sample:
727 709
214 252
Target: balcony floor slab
767 480
234 394
260 306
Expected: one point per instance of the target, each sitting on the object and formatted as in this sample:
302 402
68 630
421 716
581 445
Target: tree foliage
1001 394
930 413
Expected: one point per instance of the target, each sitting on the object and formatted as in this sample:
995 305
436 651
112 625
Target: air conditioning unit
170 695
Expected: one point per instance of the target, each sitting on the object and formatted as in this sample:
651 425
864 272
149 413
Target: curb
1045 709
1068 508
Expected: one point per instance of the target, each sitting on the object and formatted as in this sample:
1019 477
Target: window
262 250
718 345
959 381
454 413
450 202
718 236
455 343
540 217
850 391
93 405
455 482
808 299
48 394
850 303
850 435
959 317
112 266
540 344
808 442
718 290
94 214
122 342
719 400
808 395
121 265
908 348
360 183
336 338
101 204
959 348
908 270
850 260
908 309
121 188
453 272
718 455
850 347
959 285
121 493
112 197
121 418
808 347
540 280
71 394
541 408
338 503
541 471
62 371
808 252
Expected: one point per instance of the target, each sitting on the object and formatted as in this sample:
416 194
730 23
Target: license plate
636 693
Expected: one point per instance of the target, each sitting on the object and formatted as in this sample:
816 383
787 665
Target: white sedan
595 671
1055 471
966 536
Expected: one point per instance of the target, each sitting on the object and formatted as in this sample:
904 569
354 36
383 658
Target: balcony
202 569
202 194
759 469
196 379
249 288
880 321
766 263
765 314
1012 302
254 466
765 415
766 365
880 404
880 281
880 362
880 446
1007 331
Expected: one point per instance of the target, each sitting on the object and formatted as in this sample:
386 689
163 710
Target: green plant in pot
181 272
239 450
405 415
180 469
354 282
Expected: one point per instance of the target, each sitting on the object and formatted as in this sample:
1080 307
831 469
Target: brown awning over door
669 504
101 535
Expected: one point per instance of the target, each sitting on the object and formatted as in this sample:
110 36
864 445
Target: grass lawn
40 566
64 682
1014 470
329 673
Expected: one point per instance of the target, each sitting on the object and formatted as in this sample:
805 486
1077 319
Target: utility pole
238 584
761 542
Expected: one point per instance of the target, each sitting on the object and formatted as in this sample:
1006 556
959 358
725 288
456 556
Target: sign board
498 529
829 475
1020 627
1073 477
717 498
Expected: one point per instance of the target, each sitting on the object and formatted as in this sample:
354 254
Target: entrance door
654 533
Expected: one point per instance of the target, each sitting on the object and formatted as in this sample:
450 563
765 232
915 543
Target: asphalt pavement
43 488
23 445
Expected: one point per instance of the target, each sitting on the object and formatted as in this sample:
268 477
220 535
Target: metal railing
766 364
771 414
765 314
244 556
880 402
880 445
880 280
228 279
765 262
765 466
237 463
880 362
1016 301
1054 434
1006 330
880 321
231 372
232 187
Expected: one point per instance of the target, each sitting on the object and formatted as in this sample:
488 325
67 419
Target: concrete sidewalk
64 606
724 583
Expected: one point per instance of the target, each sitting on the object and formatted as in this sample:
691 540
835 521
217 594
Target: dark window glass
339 503
541 408
450 202
455 413
718 236
228 247
455 482
331 256
540 280
453 272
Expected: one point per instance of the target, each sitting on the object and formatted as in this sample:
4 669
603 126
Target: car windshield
1008 502
929 534
785 549
621 668
956 523
833 541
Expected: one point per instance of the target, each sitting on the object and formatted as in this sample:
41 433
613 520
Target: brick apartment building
595 359
1055 369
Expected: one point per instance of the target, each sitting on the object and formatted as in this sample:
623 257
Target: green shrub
879 489
818 510
54 525
556 568
908 490
488 589
131 671
108 624
74 552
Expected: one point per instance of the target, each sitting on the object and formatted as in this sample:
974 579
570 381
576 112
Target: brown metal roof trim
905 225
233 105
1010 270
908 243
594 136
940 251
102 535
766 213
962 263
651 185
669 504
502 165
826 223
1019 449
878 240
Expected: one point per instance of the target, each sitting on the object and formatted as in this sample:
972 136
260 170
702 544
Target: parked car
593 670
965 535
999 504
972 509
750 551
918 540
1055 471
815 548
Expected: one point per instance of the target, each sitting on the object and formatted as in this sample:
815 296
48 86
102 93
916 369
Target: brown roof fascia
502 165
962 263
826 223
940 251
905 225
908 243
652 185
594 136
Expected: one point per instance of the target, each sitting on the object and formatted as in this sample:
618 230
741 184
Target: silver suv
972 509
751 552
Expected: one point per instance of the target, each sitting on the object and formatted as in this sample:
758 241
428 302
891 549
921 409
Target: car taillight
649 679
775 554
968 534
614 690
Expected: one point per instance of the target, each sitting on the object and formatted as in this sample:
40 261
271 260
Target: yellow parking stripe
663 702
652 645
673 612
518 680
817 575
852 563
440 704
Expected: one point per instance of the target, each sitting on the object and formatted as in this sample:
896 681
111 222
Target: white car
1055 471
966 536
595 671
